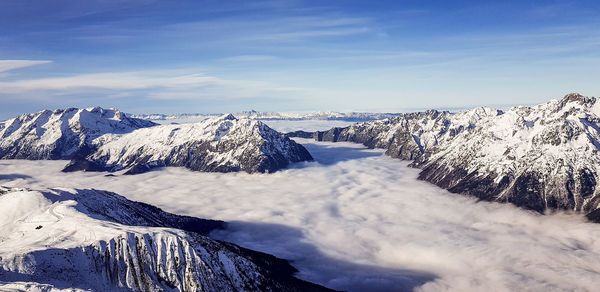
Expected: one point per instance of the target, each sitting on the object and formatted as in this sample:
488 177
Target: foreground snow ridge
90 239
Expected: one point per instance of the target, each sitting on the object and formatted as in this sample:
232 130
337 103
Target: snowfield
355 219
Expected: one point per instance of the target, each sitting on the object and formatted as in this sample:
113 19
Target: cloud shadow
315 266
13 176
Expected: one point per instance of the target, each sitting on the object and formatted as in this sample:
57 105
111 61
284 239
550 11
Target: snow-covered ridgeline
409 135
540 157
101 139
61 134
350 116
221 144
56 238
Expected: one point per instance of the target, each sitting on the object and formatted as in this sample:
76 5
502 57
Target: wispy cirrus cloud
7 65
167 85
249 58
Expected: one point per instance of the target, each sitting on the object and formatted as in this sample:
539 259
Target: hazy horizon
4 117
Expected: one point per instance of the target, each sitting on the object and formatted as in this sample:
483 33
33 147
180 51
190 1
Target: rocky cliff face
541 157
96 240
221 144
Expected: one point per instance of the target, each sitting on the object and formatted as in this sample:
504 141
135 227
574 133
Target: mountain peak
62 133
229 117
576 97
540 157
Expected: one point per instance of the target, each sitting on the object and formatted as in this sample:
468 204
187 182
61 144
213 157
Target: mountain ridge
223 144
62 133
68 238
97 139
543 157
252 114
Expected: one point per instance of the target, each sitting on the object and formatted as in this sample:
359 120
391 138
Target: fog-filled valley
355 219
292 146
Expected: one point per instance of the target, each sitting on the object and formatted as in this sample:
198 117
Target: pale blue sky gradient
227 56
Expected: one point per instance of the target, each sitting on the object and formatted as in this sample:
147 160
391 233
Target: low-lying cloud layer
358 220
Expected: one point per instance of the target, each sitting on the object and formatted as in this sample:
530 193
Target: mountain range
255 115
97 139
543 157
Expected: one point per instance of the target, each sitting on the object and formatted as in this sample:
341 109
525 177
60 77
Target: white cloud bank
357 220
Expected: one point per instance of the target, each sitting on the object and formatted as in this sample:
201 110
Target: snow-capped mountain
538 157
100 241
107 140
350 116
408 135
541 157
222 144
61 134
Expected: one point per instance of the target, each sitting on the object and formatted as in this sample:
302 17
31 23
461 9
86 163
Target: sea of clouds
358 220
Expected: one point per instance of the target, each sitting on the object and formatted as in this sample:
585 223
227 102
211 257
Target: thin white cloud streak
249 58
357 220
7 65
273 29
164 85
301 35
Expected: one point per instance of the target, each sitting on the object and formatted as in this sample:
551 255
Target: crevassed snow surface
358 220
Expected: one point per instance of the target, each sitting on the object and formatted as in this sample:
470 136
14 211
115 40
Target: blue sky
227 56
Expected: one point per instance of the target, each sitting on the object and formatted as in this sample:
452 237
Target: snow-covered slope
541 157
350 116
222 144
538 157
61 134
96 240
